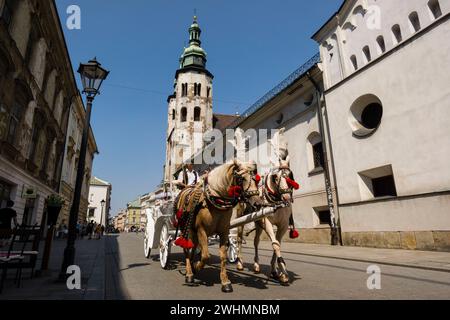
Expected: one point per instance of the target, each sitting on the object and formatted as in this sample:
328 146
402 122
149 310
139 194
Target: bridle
236 192
275 196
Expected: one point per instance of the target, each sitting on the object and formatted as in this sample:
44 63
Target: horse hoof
189 279
256 269
227 288
284 280
240 267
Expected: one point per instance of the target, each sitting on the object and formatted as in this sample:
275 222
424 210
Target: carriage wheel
147 246
164 246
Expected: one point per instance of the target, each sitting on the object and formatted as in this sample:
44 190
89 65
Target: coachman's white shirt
192 177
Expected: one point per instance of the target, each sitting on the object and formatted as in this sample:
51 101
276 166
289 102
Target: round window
365 115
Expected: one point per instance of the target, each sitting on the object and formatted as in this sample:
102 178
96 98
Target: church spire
194 55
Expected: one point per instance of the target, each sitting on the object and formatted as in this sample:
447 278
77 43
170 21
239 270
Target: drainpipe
336 238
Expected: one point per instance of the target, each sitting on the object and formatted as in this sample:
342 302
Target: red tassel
257 179
234 191
293 234
292 184
183 243
189 244
179 213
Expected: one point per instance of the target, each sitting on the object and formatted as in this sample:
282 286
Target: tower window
414 22
184 89
367 56
354 62
208 92
197 113
173 114
397 34
183 114
435 8
381 45
197 89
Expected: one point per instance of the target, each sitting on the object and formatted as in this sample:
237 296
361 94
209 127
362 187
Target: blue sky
252 45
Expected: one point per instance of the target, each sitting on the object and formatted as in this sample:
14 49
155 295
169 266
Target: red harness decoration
184 243
257 179
292 183
234 191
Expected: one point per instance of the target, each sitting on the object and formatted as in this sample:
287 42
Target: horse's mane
220 179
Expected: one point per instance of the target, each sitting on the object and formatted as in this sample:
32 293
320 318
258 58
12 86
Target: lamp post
92 76
102 203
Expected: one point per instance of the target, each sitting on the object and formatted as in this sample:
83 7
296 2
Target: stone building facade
133 215
70 165
37 90
99 190
386 77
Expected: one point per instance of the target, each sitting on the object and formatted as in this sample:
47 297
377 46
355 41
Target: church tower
190 112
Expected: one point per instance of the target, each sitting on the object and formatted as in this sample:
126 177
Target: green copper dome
194 55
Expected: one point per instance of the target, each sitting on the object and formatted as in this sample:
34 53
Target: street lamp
92 76
102 203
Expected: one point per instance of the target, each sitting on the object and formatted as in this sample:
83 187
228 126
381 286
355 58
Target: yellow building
133 215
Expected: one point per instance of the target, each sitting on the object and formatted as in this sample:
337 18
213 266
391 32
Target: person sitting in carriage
187 177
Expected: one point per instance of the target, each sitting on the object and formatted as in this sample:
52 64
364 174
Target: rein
236 192
276 196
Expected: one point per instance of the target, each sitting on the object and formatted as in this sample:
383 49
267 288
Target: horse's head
281 183
246 181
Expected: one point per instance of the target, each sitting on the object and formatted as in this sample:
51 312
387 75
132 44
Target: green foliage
55 200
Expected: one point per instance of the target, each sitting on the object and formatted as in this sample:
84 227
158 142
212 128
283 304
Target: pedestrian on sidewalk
98 232
90 229
7 216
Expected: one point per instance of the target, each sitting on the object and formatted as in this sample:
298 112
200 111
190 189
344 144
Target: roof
134 204
330 19
285 84
222 121
99 182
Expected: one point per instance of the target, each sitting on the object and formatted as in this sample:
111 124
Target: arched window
197 113
435 9
381 45
397 34
414 22
183 114
208 92
184 89
173 114
354 62
367 56
316 156
21 100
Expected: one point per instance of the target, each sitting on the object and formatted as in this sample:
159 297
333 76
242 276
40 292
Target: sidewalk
426 260
90 257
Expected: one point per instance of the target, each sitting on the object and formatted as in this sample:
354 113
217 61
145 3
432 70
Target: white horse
277 187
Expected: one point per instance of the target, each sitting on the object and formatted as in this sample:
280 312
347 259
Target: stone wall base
410 240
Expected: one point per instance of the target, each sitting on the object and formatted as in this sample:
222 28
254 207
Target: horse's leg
284 277
203 243
240 262
189 278
268 228
226 283
258 232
